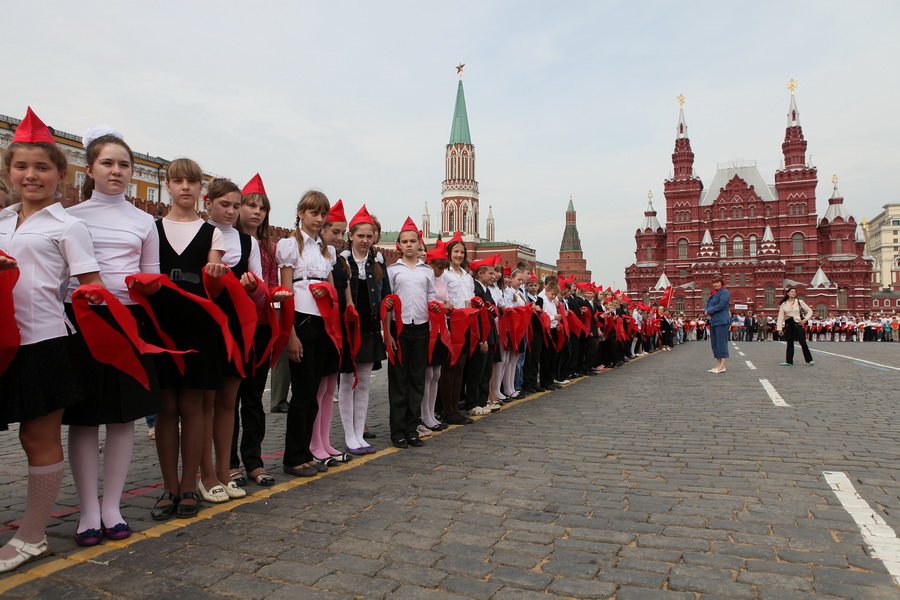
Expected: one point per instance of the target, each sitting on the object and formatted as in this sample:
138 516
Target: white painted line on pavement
777 400
750 364
735 347
854 358
876 533
742 354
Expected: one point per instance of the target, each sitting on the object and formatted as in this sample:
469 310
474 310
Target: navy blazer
717 307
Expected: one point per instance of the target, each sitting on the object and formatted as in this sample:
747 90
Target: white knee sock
345 407
361 402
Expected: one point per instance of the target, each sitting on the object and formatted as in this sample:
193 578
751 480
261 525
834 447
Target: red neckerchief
714 291
438 327
397 309
328 307
148 279
283 326
245 312
106 343
351 324
10 337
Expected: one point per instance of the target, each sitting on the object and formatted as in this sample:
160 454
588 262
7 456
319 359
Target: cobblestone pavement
656 480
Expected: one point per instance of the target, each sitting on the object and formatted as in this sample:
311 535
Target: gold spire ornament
459 70
792 84
834 180
681 101
650 194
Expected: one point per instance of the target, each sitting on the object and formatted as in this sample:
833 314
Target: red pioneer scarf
461 320
351 324
397 309
105 342
437 327
329 308
244 308
148 279
10 338
483 322
284 325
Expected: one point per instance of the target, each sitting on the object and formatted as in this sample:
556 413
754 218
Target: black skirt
112 395
191 328
371 347
41 379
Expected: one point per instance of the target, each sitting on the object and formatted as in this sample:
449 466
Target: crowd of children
176 318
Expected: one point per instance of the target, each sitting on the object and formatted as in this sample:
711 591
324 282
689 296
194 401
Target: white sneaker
479 411
563 382
494 406
423 431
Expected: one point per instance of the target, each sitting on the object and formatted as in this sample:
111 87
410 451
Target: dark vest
186 269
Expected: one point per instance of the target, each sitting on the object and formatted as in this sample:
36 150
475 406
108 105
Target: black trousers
305 377
792 332
478 378
533 358
406 381
248 409
548 364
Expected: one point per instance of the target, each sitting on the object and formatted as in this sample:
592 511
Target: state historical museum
761 237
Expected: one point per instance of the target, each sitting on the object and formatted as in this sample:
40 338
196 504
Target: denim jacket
717 307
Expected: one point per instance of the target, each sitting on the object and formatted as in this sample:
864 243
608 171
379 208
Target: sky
576 98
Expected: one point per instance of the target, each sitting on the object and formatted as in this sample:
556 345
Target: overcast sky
564 98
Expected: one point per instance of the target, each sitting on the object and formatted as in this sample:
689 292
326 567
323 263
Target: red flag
666 297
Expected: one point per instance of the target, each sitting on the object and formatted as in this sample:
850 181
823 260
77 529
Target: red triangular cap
254 186
457 237
564 281
531 277
361 216
439 252
498 260
408 225
32 130
484 262
336 214
507 271
583 286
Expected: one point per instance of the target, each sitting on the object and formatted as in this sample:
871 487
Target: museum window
822 310
682 273
737 212
842 296
723 246
682 248
770 297
722 213
875 303
708 214
797 243
743 280
768 211
752 211
731 280
839 245
752 245
649 253
679 304
737 246
451 221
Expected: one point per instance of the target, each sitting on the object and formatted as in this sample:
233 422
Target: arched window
453 166
839 245
801 208
822 310
790 210
723 247
797 243
465 220
731 280
737 246
842 297
737 212
649 253
682 249
679 304
875 302
768 210
451 222
743 280
708 214
770 297
722 213
752 211
752 241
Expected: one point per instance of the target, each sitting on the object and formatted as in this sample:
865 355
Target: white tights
354 404
509 372
432 375
84 457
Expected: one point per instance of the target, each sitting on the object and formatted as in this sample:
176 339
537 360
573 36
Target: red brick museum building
762 237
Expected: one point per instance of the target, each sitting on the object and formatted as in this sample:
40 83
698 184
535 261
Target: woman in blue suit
719 321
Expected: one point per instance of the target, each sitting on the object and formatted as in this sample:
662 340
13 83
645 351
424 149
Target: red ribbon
285 323
461 320
328 306
108 345
206 304
437 327
351 323
398 313
574 324
10 337
244 308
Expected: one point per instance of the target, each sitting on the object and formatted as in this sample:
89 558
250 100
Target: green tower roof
570 241
459 133
571 207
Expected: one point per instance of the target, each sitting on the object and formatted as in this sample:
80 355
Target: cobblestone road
657 480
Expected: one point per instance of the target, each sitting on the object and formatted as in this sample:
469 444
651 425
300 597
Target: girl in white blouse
304 259
460 289
45 244
126 242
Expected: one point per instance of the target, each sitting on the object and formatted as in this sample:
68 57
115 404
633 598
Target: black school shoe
416 443
164 513
401 443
